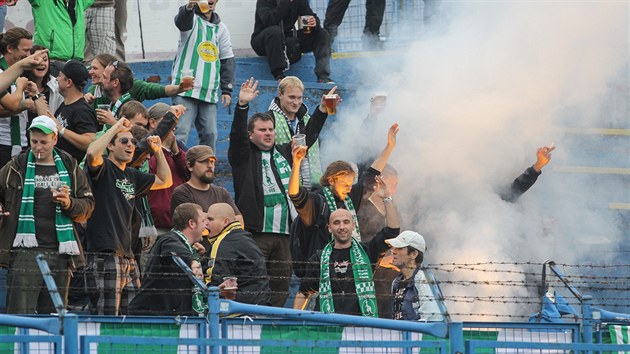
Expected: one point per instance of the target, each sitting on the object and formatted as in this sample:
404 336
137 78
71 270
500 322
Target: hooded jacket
60 29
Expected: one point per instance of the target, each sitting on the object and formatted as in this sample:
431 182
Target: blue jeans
3 14
203 115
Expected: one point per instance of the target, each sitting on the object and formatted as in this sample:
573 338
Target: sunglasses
115 64
125 141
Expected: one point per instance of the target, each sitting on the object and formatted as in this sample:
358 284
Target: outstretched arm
382 159
95 150
526 180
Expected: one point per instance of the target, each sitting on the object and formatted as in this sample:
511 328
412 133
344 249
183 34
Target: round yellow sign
208 51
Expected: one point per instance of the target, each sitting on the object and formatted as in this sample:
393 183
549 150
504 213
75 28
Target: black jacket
166 290
238 256
245 160
520 185
271 12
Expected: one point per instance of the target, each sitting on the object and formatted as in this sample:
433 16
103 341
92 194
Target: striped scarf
332 206
273 201
25 236
311 168
361 273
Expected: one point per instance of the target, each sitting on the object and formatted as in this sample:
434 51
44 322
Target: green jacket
140 91
54 28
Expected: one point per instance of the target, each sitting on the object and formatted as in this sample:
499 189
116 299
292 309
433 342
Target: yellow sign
208 51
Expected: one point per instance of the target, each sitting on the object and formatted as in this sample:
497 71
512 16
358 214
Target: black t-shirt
116 193
46 177
78 117
342 283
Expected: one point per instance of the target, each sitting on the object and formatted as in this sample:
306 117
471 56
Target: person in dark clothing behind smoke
527 179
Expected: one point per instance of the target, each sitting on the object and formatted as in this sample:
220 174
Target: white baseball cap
408 238
45 124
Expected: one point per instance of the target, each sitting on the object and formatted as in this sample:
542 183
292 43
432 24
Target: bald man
235 254
344 267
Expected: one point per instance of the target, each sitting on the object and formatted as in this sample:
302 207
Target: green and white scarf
199 304
272 201
121 101
311 168
25 236
361 273
332 206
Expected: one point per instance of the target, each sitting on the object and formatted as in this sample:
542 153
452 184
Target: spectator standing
140 89
120 18
374 11
166 290
99 29
342 271
45 83
60 27
113 275
274 28
44 192
205 48
413 298
3 11
15 45
261 171
200 162
75 118
235 254
526 180
160 200
291 116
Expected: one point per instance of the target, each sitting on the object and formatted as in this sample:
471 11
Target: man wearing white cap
414 300
43 192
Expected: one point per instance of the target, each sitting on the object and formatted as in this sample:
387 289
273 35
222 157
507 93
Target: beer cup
331 103
203 6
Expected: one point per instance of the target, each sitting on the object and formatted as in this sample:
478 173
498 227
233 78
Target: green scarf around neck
361 273
25 236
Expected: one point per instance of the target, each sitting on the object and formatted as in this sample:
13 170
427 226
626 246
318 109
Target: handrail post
70 333
214 306
456 337
587 319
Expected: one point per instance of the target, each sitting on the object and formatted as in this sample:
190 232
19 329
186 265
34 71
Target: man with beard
117 81
199 189
112 271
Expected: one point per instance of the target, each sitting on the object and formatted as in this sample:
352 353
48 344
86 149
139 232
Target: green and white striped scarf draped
311 168
119 103
332 206
278 207
25 236
199 50
361 273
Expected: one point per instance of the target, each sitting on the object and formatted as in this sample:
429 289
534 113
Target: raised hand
155 143
543 156
391 135
249 91
299 151
322 103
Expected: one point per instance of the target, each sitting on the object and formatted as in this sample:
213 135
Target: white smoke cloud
474 101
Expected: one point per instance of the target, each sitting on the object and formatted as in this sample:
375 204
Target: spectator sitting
274 31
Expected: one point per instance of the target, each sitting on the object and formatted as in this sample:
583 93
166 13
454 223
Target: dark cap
199 153
76 71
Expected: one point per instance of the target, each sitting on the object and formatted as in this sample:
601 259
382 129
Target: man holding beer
204 55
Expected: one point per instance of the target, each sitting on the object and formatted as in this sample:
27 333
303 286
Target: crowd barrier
232 327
